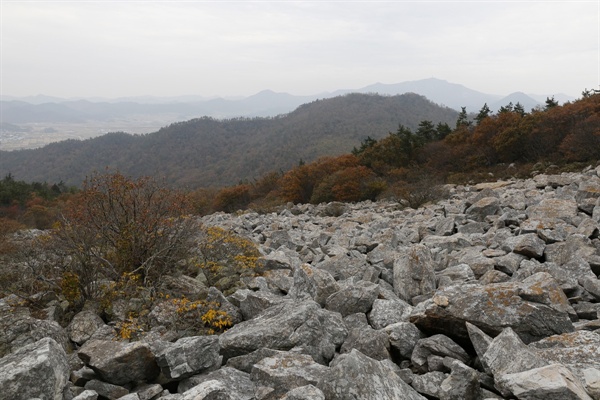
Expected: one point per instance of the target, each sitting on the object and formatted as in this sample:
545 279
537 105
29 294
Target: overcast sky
229 48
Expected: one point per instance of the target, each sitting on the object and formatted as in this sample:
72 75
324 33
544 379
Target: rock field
492 293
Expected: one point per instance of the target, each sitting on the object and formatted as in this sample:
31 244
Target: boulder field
492 293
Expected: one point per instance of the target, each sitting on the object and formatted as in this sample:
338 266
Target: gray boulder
253 303
106 390
462 384
507 354
577 351
38 370
403 337
484 207
529 245
429 383
308 392
238 383
436 345
120 363
491 308
553 208
353 298
208 390
356 376
551 382
370 342
18 328
414 274
312 284
285 371
189 356
285 326
87 395
388 312
83 325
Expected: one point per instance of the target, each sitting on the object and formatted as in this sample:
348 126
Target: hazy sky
168 48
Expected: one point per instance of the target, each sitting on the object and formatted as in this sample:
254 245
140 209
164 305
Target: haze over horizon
138 48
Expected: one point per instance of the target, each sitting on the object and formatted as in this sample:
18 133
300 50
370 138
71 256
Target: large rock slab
286 371
237 382
83 325
552 382
491 308
189 356
436 345
483 208
120 363
577 350
553 208
507 354
285 326
356 376
312 284
353 298
414 274
388 312
38 370
18 328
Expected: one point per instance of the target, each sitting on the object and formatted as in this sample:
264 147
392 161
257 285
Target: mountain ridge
264 103
206 151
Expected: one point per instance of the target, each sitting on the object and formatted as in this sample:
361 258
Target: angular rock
452 243
483 208
388 312
457 274
553 208
507 354
189 356
245 362
106 390
120 363
592 285
38 370
436 345
542 288
429 383
528 245
183 285
147 391
491 308
238 383
353 298
312 284
87 395
577 351
370 342
413 273
285 326
208 390
308 392
462 384
286 371
346 265
18 328
83 325
480 342
403 337
253 303
552 382
356 376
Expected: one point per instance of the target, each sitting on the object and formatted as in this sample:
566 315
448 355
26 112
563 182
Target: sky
237 48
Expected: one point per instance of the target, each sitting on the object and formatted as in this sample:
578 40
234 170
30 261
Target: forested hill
210 152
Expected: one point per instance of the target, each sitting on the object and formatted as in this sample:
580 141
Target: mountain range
39 109
212 152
